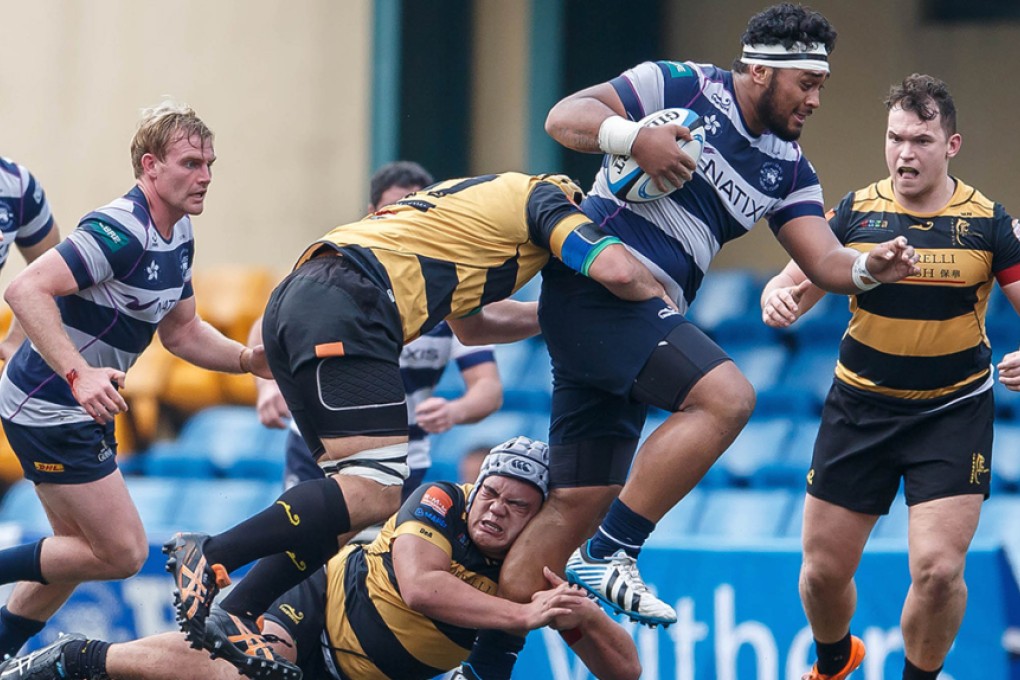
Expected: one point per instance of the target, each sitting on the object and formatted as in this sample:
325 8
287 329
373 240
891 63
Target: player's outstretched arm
427 586
186 335
602 644
838 269
625 276
503 321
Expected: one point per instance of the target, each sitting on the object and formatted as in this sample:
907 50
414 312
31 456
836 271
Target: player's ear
955 141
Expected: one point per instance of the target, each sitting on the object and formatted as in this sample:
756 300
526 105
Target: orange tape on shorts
329 349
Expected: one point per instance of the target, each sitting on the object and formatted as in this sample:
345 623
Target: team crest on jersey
6 216
1016 229
185 263
770 176
712 124
37 195
152 271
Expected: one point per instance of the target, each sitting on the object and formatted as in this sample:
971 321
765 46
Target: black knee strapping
675 366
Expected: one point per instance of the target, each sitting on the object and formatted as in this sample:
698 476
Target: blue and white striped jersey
129 278
740 179
25 216
422 363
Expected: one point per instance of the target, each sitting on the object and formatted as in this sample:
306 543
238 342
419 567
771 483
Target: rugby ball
629 182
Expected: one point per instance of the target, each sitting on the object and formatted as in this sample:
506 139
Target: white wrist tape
617 134
860 270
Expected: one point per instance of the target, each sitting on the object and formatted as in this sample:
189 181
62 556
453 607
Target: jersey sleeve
1006 255
433 513
467 357
36 218
100 249
558 225
803 199
655 85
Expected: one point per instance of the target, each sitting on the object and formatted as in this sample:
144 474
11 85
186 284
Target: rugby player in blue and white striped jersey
89 307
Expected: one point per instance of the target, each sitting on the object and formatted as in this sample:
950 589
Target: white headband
811 57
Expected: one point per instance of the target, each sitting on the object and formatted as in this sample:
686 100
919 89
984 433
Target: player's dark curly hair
402 174
926 96
786 24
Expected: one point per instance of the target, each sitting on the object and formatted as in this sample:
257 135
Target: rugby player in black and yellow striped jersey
334 329
407 605
912 393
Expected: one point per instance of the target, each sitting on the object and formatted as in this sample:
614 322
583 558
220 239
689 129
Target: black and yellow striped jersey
372 631
922 342
455 246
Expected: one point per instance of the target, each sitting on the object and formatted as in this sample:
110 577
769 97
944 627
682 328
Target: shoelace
627 566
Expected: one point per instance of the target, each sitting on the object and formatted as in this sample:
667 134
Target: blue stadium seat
21 505
1006 458
810 371
726 295
265 461
763 365
528 385
789 470
762 442
214 505
221 440
156 499
524 370
745 514
680 521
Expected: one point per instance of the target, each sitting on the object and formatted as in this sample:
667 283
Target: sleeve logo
107 235
438 500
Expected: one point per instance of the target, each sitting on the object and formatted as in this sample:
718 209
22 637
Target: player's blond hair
160 126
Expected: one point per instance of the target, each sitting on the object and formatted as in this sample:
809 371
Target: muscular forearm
832 272
499 322
40 320
444 597
482 398
575 122
625 276
607 650
199 343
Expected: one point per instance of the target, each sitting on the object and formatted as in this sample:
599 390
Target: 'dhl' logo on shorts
55 468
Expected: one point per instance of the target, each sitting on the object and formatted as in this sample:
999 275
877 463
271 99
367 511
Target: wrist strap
859 272
240 361
617 135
